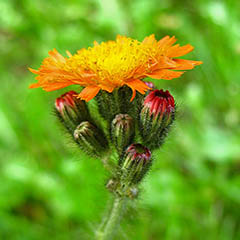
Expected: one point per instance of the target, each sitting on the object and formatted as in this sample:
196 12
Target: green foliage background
50 190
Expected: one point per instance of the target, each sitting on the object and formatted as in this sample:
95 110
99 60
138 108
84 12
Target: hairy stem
107 163
110 224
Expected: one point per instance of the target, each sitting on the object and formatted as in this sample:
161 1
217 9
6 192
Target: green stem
107 163
111 223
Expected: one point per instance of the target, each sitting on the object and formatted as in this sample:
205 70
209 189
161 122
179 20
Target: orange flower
112 64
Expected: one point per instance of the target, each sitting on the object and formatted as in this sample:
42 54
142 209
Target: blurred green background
50 190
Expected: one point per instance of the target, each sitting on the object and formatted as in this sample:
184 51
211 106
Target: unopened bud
71 110
150 84
90 139
134 164
122 131
110 104
156 117
107 105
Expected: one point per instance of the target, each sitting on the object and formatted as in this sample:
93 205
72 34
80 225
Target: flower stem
107 163
110 225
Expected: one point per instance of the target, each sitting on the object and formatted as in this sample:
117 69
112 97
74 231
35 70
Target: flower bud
110 104
124 95
90 139
150 84
107 105
134 164
71 110
156 117
122 131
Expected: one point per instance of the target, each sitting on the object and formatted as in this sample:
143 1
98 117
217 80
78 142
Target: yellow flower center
113 62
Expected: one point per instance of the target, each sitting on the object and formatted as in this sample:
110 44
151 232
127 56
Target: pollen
112 64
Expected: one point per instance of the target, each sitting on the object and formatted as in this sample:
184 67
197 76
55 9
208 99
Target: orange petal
165 62
163 40
50 87
33 70
56 56
164 74
166 42
95 43
52 75
107 88
149 40
89 93
34 85
55 86
183 64
69 54
138 85
176 51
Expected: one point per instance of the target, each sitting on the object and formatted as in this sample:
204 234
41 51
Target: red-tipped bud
158 103
71 110
67 99
156 117
134 164
138 153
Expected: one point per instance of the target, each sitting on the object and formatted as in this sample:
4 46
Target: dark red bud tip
67 99
139 152
159 101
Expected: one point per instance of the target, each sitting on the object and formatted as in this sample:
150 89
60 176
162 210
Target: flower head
112 64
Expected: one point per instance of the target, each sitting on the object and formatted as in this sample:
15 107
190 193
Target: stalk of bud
90 139
71 111
122 131
156 117
133 166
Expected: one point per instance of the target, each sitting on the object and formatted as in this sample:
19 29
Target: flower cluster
131 135
135 126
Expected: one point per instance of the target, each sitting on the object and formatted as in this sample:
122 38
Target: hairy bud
122 131
71 111
110 104
90 139
156 117
134 164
